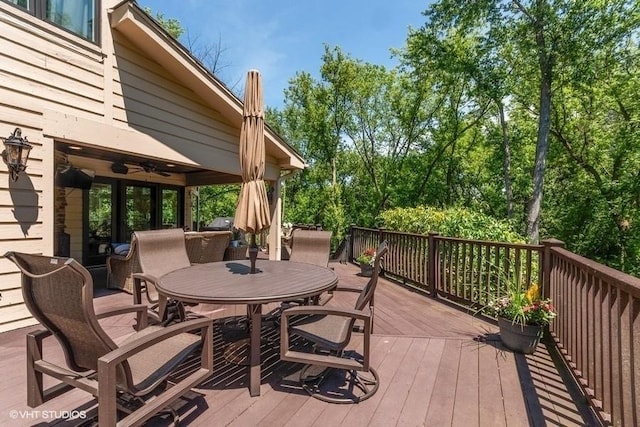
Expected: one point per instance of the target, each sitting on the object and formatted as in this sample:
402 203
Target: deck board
438 365
443 399
467 395
491 400
415 407
390 408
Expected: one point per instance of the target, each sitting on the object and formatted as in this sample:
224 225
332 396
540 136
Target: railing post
380 240
350 247
432 264
546 264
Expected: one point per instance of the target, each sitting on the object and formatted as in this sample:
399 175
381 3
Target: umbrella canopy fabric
252 211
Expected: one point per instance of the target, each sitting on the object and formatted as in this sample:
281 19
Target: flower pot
519 338
366 270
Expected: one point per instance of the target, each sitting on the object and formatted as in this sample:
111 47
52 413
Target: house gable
129 20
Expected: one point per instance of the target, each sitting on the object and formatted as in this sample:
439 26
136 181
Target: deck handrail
598 324
598 332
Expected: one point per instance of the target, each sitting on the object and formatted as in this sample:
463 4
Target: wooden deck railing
598 324
598 331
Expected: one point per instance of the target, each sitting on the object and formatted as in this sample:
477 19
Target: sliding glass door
114 209
99 225
171 208
138 209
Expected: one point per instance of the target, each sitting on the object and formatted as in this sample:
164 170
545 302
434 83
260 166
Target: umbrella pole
253 253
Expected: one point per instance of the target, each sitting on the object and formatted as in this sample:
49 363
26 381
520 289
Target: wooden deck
437 364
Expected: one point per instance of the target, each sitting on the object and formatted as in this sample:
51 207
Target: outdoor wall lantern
16 153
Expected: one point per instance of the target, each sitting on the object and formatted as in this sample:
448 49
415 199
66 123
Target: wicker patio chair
330 330
59 294
120 269
206 246
159 252
311 247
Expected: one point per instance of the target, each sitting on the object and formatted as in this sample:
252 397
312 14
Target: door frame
118 199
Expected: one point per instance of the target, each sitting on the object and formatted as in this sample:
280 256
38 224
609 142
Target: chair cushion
121 249
328 332
155 362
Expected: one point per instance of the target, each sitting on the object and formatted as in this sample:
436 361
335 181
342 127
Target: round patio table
230 282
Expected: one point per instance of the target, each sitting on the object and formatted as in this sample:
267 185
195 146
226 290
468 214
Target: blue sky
281 37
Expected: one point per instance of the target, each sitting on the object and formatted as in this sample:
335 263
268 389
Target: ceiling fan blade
151 167
119 167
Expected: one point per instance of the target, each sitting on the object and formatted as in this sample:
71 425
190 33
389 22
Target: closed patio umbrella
252 212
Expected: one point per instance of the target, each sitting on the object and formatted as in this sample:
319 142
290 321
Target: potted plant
366 260
236 238
287 228
522 317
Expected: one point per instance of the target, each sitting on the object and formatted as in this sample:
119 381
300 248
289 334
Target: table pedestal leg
162 307
255 311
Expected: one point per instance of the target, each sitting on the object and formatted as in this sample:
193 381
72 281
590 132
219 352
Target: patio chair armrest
39 334
145 277
325 311
121 309
138 278
140 309
122 353
347 289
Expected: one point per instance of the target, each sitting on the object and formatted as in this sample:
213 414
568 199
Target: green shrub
451 222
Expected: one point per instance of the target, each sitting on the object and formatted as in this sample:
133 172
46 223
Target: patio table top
230 282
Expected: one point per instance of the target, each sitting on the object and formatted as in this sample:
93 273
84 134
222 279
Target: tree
210 54
547 33
358 126
171 25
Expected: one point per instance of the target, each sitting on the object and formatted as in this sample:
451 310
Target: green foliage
459 124
215 201
172 25
451 222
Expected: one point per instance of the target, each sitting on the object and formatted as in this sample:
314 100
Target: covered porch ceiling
194 176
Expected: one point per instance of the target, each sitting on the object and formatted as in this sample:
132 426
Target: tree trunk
334 171
545 61
506 163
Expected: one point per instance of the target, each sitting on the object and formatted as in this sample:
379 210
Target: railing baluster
598 337
590 333
626 363
607 383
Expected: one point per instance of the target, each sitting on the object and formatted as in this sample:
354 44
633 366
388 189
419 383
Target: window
78 16
21 3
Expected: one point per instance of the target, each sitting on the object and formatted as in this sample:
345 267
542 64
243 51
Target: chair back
59 294
206 246
367 292
161 252
311 246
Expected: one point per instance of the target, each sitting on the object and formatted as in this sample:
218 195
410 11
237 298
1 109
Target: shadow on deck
438 365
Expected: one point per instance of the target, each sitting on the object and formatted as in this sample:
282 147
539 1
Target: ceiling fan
146 166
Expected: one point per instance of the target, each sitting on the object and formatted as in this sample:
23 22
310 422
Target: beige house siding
41 68
150 100
135 94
